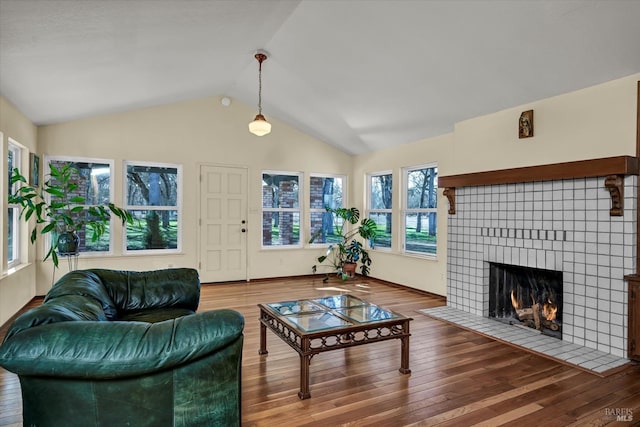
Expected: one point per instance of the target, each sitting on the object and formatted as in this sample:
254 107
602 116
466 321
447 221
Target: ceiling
361 75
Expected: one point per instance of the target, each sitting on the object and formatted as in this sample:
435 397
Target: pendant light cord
260 87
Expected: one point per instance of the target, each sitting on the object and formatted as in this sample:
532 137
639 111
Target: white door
223 223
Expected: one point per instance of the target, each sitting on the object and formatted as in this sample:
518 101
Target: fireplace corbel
450 193
615 185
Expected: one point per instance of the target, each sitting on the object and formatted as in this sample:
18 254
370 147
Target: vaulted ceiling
361 75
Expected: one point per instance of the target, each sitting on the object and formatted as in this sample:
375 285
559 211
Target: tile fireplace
563 226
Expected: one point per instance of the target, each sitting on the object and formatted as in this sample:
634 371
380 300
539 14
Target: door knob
244 230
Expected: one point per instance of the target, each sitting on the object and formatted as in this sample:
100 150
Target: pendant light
260 126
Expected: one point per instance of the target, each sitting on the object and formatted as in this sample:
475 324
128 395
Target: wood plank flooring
459 378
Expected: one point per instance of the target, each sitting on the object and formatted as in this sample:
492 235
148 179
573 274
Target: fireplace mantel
612 168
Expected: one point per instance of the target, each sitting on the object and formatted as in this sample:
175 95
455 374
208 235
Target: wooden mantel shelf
621 165
612 168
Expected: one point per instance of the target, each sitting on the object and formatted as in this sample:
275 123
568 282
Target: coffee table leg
404 358
304 393
263 339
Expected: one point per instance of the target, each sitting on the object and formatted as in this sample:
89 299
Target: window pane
152 186
325 192
323 226
383 234
420 232
380 196
280 228
11 234
93 180
422 186
153 230
10 165
280 191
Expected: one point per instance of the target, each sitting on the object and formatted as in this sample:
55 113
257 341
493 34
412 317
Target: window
153 199
380 205
13 215
325 191
280 209
420 210
95 185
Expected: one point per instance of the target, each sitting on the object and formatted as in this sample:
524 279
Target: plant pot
349 268
68 243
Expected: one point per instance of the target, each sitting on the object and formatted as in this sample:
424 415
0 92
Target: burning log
536 316
524 314
551 325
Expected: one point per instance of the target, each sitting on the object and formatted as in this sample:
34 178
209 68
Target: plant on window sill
63 213
345 255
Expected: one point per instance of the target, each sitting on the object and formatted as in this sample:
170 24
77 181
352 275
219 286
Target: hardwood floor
459 378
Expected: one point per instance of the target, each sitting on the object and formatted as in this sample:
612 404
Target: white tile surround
560 225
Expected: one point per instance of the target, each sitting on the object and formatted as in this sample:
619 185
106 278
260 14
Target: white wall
596 122
420 273
17 287
193 133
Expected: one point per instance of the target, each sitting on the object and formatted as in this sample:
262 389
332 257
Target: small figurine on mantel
525 124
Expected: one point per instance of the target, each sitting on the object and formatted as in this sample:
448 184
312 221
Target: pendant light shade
260 126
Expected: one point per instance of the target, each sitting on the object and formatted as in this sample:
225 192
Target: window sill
14 270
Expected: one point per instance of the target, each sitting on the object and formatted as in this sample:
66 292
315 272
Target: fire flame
514 302
549 310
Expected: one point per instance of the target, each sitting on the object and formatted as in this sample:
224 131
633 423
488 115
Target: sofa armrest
105 350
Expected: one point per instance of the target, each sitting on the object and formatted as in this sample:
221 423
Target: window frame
129 208
406 210
370 211
299 209
73 159
18 153
312 210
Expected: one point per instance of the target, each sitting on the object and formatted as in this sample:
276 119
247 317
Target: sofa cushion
87 284
133 291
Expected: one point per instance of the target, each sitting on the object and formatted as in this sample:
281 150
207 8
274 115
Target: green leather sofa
122 348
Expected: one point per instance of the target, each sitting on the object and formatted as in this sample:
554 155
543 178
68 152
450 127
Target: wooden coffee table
313 326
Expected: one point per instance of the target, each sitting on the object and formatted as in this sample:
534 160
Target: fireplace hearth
525 296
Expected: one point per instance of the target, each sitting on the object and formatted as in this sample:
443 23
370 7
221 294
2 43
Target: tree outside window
420 213
325 192
380 207
280 209
152 198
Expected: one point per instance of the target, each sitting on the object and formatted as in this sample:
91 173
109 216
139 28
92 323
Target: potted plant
345 255
58 209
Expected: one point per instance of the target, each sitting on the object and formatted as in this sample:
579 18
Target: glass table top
367 313
296 307
318 321
335 311
340 301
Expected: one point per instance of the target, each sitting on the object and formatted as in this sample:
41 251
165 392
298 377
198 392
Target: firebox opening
525 296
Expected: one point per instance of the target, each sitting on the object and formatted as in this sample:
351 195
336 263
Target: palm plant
59 210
